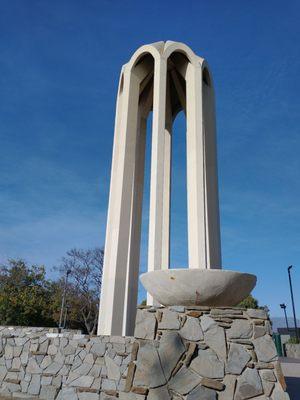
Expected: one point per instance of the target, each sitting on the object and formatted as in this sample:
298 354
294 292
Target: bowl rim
199 270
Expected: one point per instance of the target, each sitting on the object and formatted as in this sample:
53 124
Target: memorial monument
193 343
166 78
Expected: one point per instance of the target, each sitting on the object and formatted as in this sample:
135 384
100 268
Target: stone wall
292 350
177 353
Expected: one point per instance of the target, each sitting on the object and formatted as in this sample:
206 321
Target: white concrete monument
166 78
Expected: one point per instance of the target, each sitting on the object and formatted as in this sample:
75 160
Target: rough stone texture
148 367
192 330
248 385
265 348
184 381
202 393
145 325
170 351
292 350
238 358
229 382
240 329
182 353
208 365
214 336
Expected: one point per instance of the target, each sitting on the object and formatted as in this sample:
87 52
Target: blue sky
59 67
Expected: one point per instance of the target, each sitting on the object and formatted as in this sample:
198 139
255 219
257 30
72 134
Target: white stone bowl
205 287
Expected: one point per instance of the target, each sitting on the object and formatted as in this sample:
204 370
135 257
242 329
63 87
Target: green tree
249 302
25 295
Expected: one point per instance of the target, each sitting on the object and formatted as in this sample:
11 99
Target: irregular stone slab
149 372
33 367
83 369
240 329
8 352
248 385
53 368
208 365
265 349
192 330
268 375
259 331
229 382
207 322
52 350
212 384
88 396
98 349
257 313
214 336
279 394
48 392
124 396
108 384
67 394
46 362
184 381
83 381
169 320
170 351
225 311
113 370
268 387
159 394
145 325
180 309
238 358
202 393
35 384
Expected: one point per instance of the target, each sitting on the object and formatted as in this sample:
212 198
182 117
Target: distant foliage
293 340
25 295
249 302
27 298
82 295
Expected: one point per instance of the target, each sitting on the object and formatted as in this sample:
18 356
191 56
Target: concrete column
118 232
213 242
195 169
131 291
158 246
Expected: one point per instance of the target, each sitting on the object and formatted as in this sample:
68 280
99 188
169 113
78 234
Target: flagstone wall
176 353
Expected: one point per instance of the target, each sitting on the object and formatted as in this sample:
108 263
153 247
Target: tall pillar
158 246
195 169
118 231
131 292
213 242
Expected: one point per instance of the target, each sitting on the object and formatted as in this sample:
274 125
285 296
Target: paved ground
291 370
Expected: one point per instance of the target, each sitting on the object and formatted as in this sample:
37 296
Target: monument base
206 353
190 353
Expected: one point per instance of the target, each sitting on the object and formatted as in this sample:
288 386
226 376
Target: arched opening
177 65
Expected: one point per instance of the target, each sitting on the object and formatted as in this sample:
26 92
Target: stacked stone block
177 353
207 353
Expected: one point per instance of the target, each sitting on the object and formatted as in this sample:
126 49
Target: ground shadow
293 387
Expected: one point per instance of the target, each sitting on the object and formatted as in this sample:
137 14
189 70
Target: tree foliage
249 302
25 295
27 298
